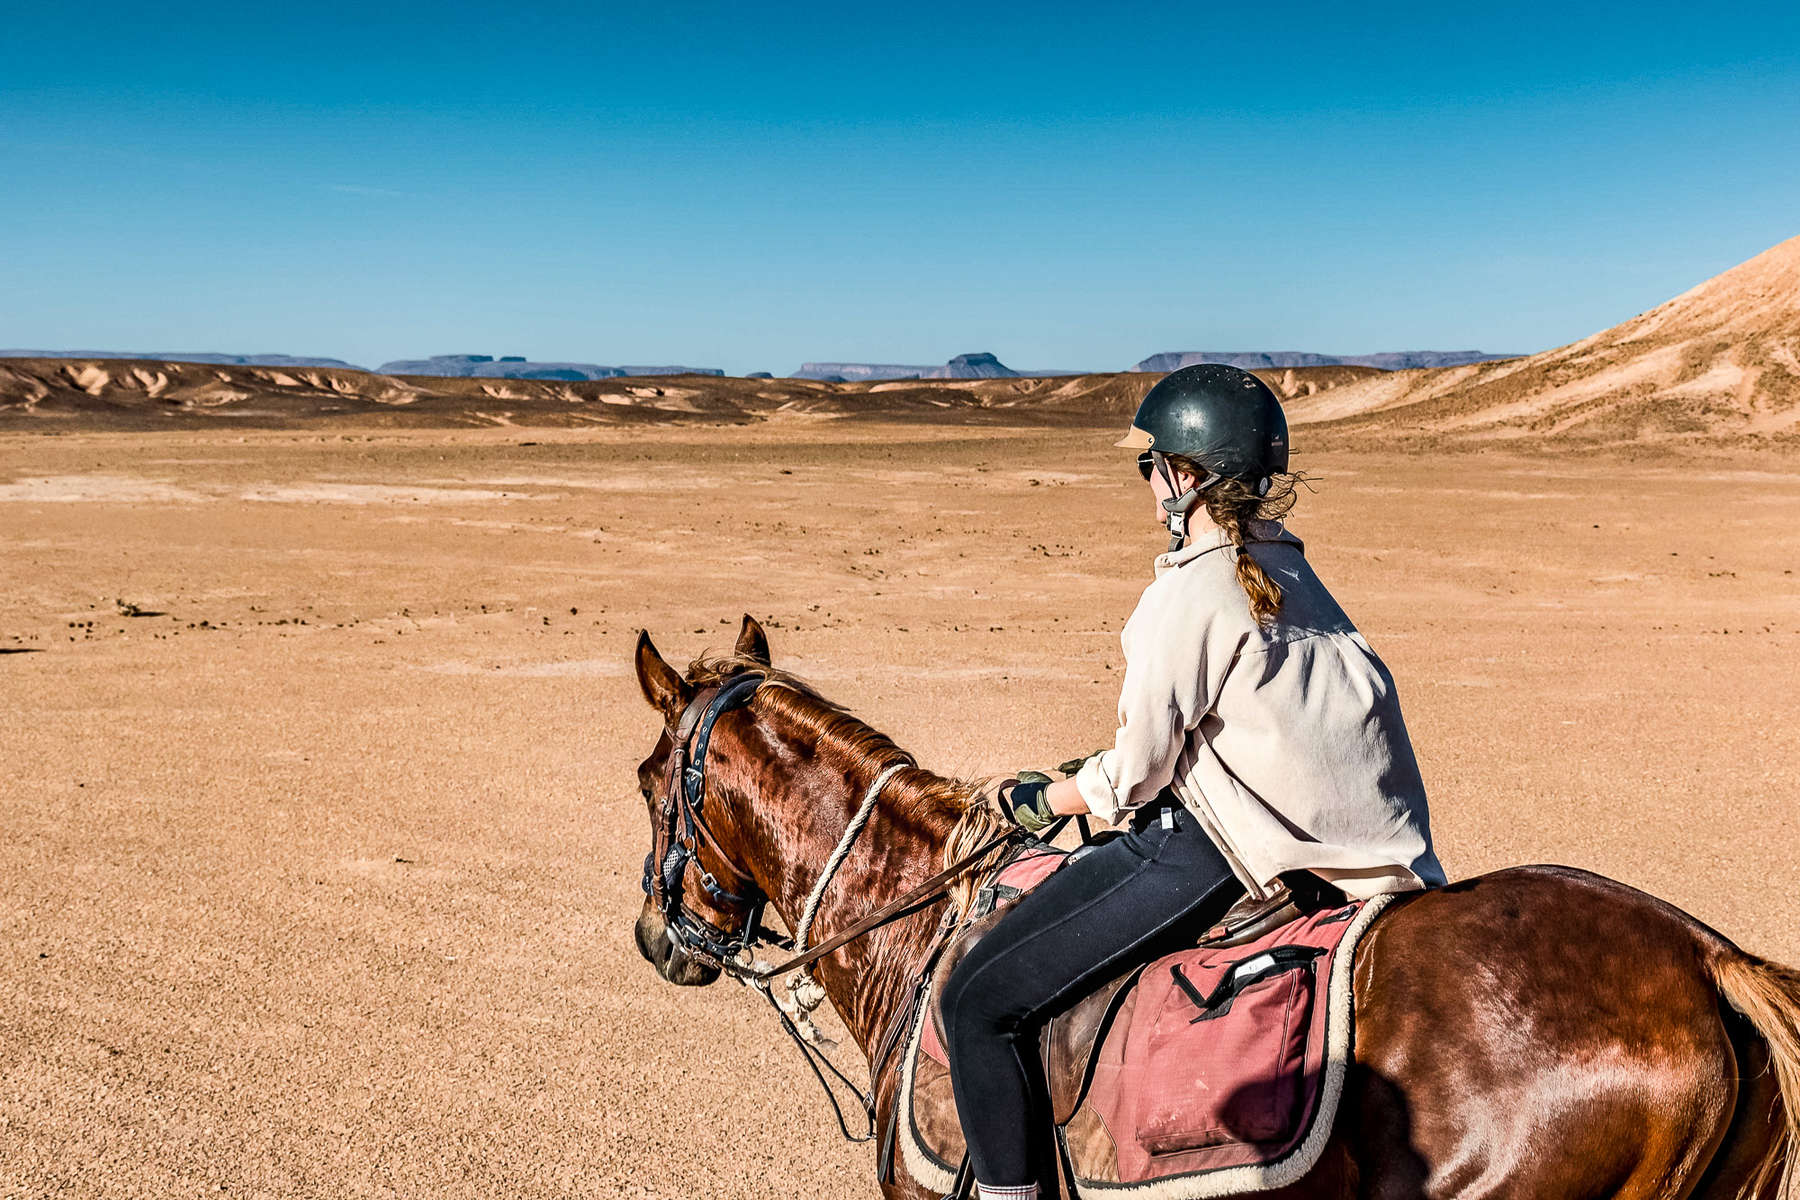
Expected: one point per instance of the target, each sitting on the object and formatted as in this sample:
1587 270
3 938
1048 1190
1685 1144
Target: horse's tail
1768 996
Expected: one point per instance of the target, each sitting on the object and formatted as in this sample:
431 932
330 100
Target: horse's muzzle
661 952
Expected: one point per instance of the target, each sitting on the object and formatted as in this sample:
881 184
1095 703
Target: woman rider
1258 734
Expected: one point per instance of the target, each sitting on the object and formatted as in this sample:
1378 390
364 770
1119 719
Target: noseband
681 829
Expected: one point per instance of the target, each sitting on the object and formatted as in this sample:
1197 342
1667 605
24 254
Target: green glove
1075 764
1028 803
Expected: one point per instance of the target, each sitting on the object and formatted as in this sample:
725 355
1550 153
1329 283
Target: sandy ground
320 881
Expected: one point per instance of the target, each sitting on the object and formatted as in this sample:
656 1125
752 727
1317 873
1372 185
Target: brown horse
1539 1032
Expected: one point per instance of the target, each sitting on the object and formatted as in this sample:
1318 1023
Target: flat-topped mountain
1395 360
963 366
513 366
230 360
979 365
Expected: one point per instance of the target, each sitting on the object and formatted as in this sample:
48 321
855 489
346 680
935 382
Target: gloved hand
1025 803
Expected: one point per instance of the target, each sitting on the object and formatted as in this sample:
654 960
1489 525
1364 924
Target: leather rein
681 832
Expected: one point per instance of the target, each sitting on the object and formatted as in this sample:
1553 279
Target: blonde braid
1232 505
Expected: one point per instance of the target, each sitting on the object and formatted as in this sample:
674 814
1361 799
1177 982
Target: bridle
681 831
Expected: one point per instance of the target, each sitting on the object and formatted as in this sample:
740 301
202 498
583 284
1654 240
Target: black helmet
1227 420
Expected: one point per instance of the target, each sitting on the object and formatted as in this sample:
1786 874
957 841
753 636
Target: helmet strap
1178 506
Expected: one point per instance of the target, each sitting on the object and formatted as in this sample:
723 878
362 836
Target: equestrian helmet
1226 420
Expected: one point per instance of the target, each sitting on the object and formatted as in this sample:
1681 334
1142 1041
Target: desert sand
320 847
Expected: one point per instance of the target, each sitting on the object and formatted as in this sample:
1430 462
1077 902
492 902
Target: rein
919 897
676 847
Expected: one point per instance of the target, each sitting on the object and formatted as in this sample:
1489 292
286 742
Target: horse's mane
951 809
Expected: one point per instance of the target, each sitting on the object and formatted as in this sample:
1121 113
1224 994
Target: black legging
1117 904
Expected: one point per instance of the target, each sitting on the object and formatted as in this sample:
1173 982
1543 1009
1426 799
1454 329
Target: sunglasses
1146 464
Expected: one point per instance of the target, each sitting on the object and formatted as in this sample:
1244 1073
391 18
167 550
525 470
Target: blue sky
1065 185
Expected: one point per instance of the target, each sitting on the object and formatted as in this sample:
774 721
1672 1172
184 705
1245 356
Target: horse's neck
867 979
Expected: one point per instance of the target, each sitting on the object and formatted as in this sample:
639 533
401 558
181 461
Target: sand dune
1718 363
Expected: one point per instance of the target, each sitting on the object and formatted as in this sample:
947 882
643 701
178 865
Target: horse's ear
663 685
752 641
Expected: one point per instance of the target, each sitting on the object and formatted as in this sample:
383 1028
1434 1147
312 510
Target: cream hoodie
1286 741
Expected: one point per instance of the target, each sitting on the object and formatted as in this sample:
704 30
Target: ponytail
1232 505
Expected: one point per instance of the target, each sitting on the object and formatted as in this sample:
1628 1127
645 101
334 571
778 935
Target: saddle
1201 1070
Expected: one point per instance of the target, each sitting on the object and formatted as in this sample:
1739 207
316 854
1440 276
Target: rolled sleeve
1095 783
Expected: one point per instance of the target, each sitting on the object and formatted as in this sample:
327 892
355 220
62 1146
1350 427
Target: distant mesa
1252 360
980 365
760 375
830 372
843 372
222 360
672 370
516 366
485 366
973 366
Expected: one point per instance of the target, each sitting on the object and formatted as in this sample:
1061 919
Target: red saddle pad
1216 1056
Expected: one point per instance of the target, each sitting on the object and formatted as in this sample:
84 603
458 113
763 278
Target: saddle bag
1215 1080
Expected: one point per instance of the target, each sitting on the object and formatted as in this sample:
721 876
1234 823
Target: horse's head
687 881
